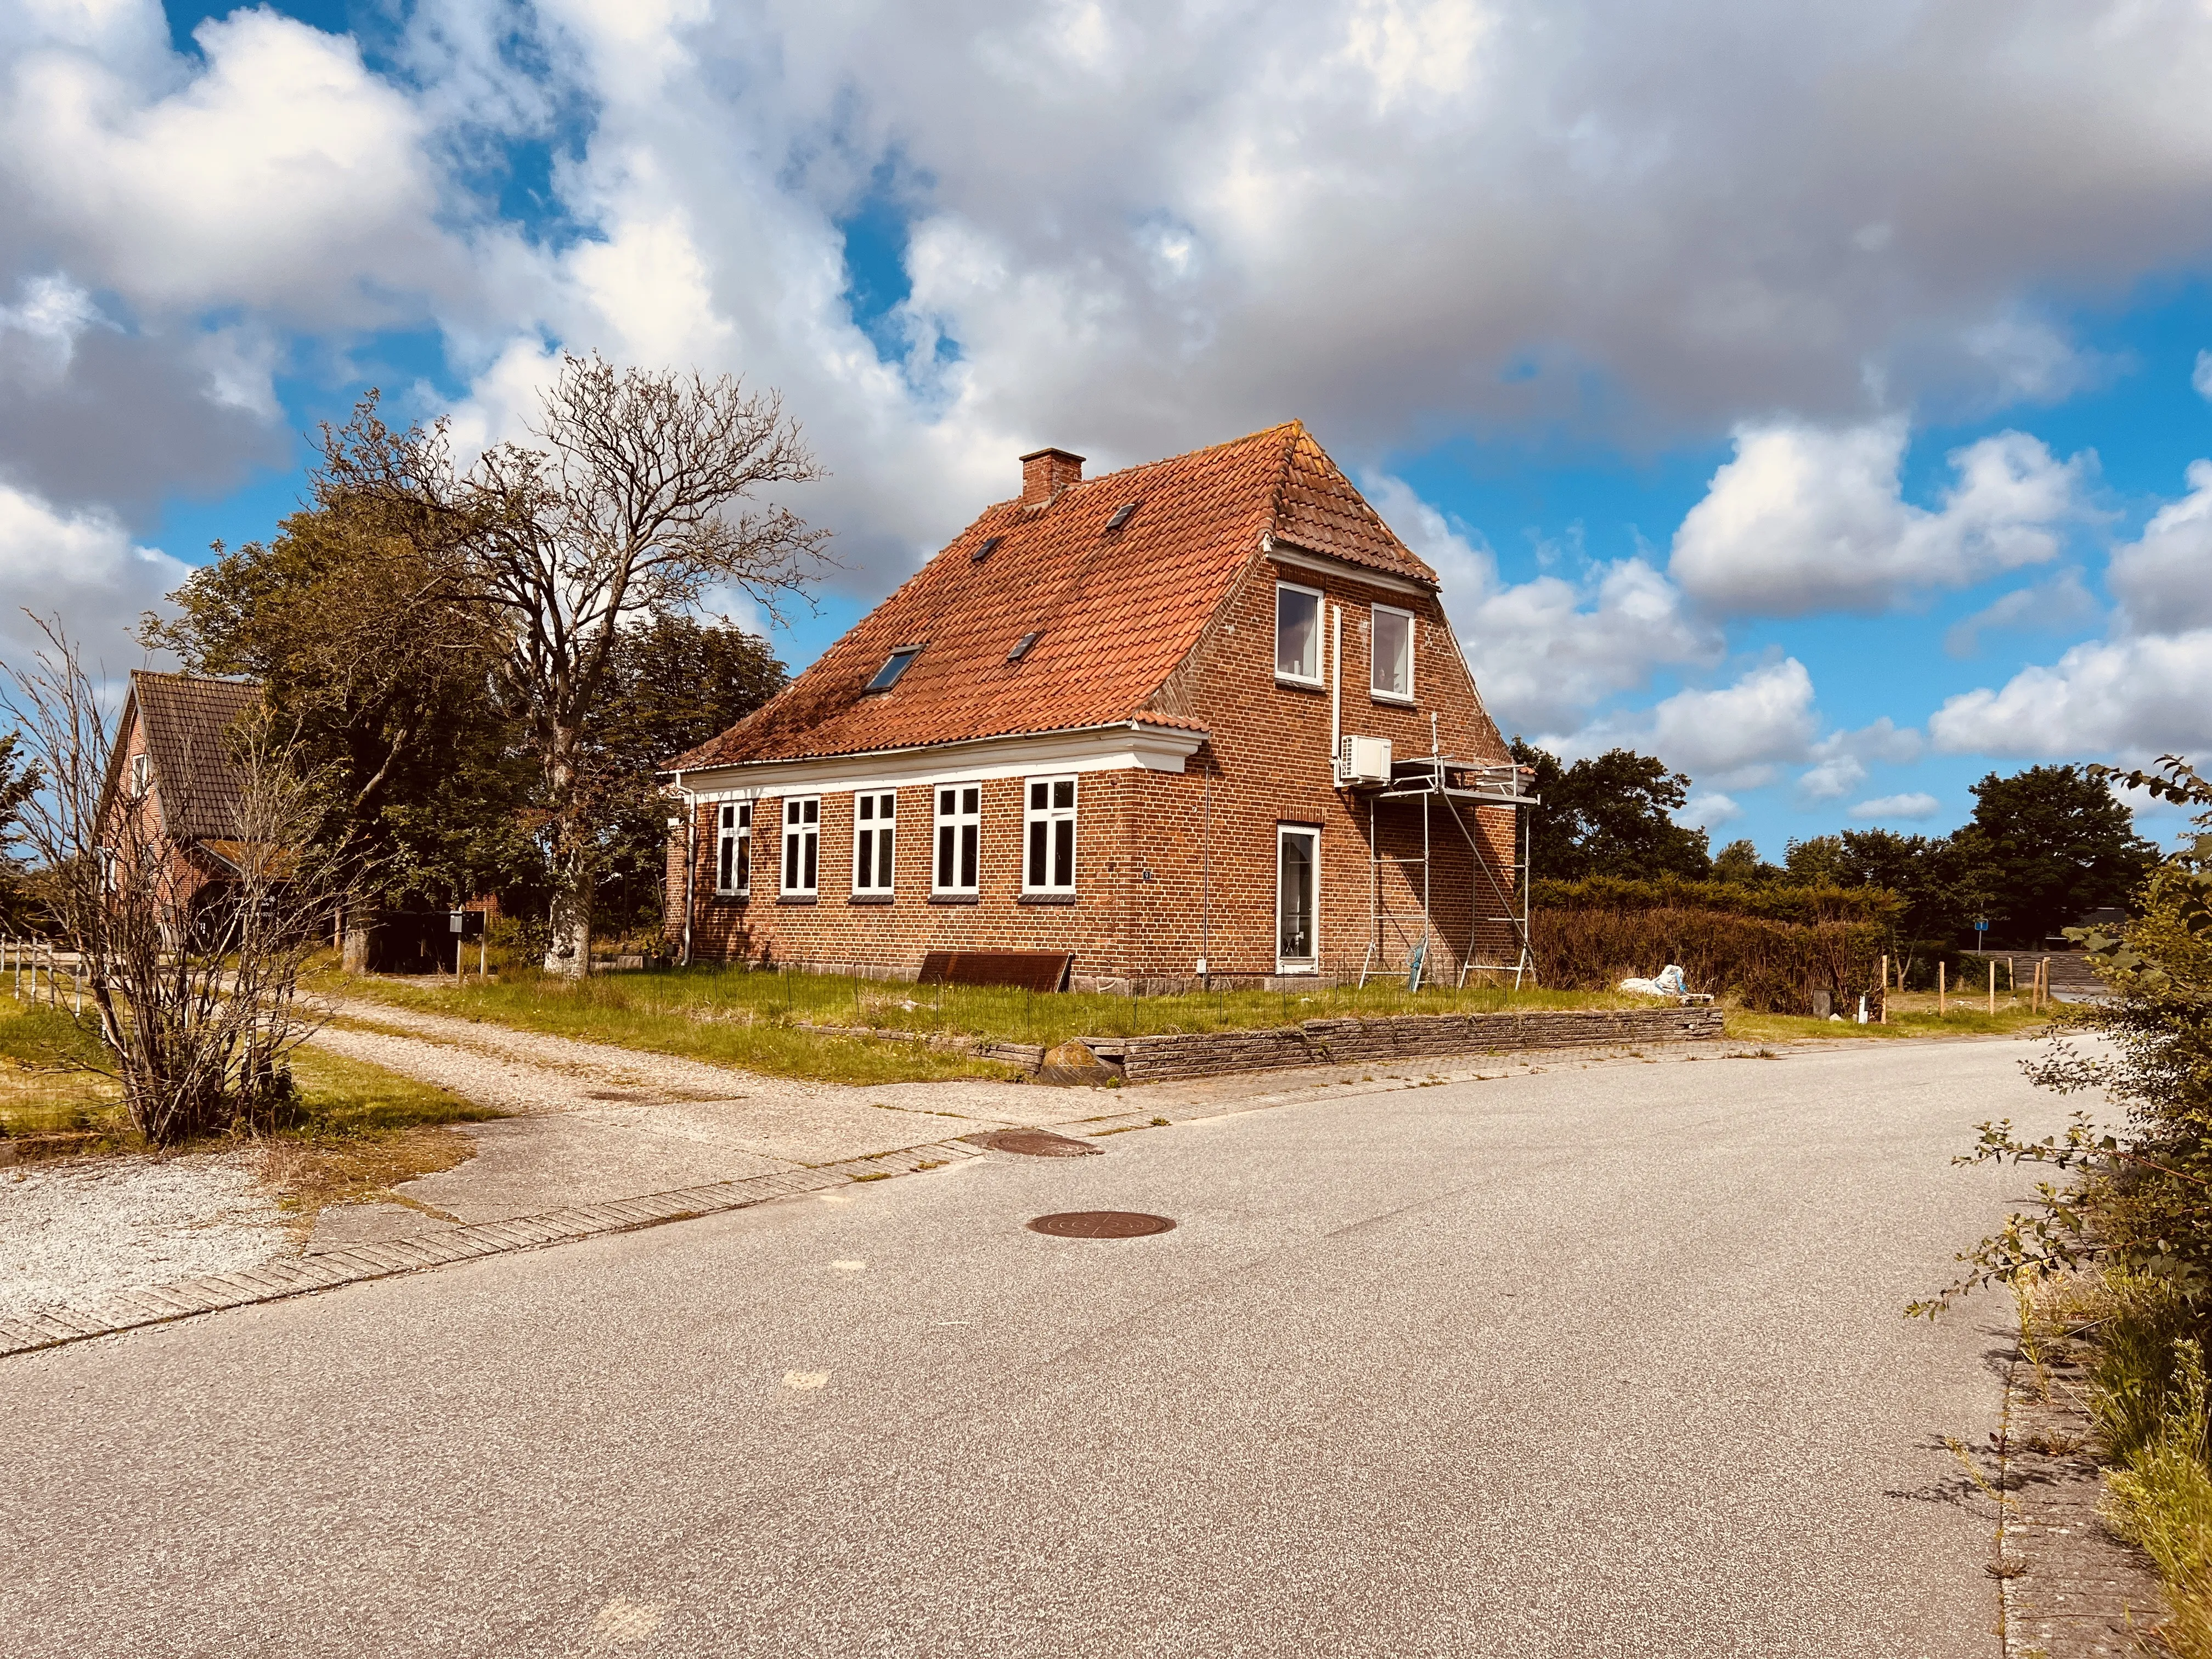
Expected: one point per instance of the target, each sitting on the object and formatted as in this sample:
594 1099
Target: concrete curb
355 1264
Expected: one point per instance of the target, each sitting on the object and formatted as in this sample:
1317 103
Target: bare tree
623 509
189 952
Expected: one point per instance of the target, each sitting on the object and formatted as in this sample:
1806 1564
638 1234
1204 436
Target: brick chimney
1046 472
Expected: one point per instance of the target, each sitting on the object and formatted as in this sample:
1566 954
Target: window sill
956 898
1289 684
796 899
869 898
727 898
1394 699
1046 898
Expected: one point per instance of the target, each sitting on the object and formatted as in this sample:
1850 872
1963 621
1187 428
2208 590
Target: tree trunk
568 945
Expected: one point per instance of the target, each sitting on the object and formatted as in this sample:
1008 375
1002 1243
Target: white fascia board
1131 747
1300 558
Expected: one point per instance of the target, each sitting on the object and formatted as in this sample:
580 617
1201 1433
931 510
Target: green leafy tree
674 683
1609 815
20 778
1739 862
2047 845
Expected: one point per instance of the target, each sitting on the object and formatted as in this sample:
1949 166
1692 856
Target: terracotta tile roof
187 723
1114 611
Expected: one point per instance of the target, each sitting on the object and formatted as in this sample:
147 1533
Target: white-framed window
959 837
1297 634
1390 644
802 845
875 832
733 847
1297 898
1048 839
141 774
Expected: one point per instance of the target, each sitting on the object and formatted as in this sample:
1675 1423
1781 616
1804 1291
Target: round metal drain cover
1101 1224
1035 1143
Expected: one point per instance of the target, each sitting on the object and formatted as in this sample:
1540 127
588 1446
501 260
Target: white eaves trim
1131 747
1299 558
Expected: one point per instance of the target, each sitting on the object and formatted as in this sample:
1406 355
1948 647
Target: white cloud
82 566
2131 695
2164 579
1887 808
1807 518
2202 379
282 174
1708 810
1840 758
2061 601
1732 737
1546 652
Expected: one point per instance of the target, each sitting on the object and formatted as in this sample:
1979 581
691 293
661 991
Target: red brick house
172 788
1199 719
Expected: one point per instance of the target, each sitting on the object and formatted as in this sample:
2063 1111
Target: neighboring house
1200 719
172 787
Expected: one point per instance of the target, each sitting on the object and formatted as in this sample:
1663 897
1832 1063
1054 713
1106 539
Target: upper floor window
874 830
733 849
802 844
959 837
1297 634
141 774
1050 822
1392 642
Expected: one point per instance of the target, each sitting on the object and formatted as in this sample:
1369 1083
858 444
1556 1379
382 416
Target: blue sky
1806 396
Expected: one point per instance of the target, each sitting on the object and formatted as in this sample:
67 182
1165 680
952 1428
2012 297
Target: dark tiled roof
1114 612
187 723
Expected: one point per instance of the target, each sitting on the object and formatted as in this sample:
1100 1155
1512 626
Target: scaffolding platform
1498 900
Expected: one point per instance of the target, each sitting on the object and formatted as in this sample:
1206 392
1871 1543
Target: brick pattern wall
1171 867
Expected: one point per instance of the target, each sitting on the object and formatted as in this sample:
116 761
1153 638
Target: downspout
690 859
1336 695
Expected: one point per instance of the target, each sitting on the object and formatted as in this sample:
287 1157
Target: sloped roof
187 723
1114 611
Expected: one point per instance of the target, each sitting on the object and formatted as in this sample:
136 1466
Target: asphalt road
1592 1362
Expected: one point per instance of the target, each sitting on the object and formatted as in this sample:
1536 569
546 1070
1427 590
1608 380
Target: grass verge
1911 1014
754 1020
357 1132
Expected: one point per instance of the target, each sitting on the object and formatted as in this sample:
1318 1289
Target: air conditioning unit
1364 760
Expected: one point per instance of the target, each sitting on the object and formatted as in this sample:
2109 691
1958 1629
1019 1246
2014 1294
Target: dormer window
894 665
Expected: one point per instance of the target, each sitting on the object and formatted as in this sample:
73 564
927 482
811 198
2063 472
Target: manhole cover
1033 1143
1101 1224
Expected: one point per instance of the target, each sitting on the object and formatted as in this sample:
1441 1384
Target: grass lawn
359 1129
1911 1014
735 1017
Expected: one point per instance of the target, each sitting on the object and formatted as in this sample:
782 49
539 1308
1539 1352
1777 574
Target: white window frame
1305 964
1058 845
802 847
1320 627
956 841
875 842
733 847
1381 692
142 776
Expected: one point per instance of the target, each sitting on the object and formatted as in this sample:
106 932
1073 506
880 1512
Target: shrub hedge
1804 905
1775 967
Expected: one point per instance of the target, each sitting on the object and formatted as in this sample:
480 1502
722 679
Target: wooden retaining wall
1409 1037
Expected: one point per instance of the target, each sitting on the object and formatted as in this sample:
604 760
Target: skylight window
894 665
985 549
1122 514
1022 647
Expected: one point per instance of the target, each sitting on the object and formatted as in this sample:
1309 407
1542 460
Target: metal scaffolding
1497 906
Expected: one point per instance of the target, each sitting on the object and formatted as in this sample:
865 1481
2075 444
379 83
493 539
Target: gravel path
71 1233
